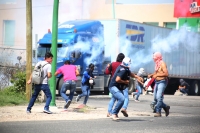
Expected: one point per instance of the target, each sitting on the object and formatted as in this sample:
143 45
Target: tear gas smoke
174 41
94 50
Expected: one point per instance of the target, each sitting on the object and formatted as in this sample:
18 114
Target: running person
160 75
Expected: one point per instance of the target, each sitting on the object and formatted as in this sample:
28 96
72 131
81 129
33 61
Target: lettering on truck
136 35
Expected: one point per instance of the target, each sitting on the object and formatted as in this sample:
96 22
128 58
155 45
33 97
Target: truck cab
82 42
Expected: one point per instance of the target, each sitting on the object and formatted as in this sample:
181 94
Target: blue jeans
112 101
184 91
139 92
85 92
68 85
118 95
47 92
159 95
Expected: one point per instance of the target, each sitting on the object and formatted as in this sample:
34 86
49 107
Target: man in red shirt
111 68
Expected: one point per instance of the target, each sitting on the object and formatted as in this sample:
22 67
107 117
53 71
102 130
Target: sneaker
150 93
67 104
137 100
47 111
124 112
157 114
115 117
28 111
109 114
144 92
152 105
166 109
77 98
133 95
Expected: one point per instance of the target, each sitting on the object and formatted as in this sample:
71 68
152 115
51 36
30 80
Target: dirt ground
74 112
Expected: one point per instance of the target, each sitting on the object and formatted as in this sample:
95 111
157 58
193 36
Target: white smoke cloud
92 49
175 40
138 58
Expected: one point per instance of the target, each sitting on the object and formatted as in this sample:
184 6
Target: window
170 25
7 1
152 23
9 32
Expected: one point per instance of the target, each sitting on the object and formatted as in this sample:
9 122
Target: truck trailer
99 42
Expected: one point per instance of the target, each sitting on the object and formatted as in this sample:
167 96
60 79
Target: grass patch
9 98
85 109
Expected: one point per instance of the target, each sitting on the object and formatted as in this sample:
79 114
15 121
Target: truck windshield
42 51
61 51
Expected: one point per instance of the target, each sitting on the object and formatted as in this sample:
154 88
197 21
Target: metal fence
11 60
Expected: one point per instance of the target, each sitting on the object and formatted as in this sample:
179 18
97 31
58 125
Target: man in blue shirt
86 84
118 83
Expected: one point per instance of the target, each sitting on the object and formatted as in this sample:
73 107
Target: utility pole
28 47
54 51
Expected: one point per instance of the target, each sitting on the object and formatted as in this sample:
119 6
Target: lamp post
54 51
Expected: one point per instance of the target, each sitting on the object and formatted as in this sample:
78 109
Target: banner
186 8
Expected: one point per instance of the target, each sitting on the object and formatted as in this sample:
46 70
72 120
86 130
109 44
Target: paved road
184 117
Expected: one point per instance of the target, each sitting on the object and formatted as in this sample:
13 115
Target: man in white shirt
44 86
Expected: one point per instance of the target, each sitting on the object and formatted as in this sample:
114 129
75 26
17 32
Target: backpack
37 74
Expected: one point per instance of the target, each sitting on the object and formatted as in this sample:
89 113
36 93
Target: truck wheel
194 90
106 91
131 86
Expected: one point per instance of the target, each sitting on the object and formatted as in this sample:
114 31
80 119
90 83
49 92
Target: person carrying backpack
43 85
111 68
118 83
87 83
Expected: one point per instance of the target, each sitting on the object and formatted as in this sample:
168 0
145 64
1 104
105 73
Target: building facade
13 18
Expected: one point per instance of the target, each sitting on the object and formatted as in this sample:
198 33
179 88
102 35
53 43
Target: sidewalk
74 112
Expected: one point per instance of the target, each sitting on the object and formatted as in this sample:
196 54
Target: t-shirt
111 70
123 73
68 71
46 70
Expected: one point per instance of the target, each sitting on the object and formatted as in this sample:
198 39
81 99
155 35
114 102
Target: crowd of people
118 85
